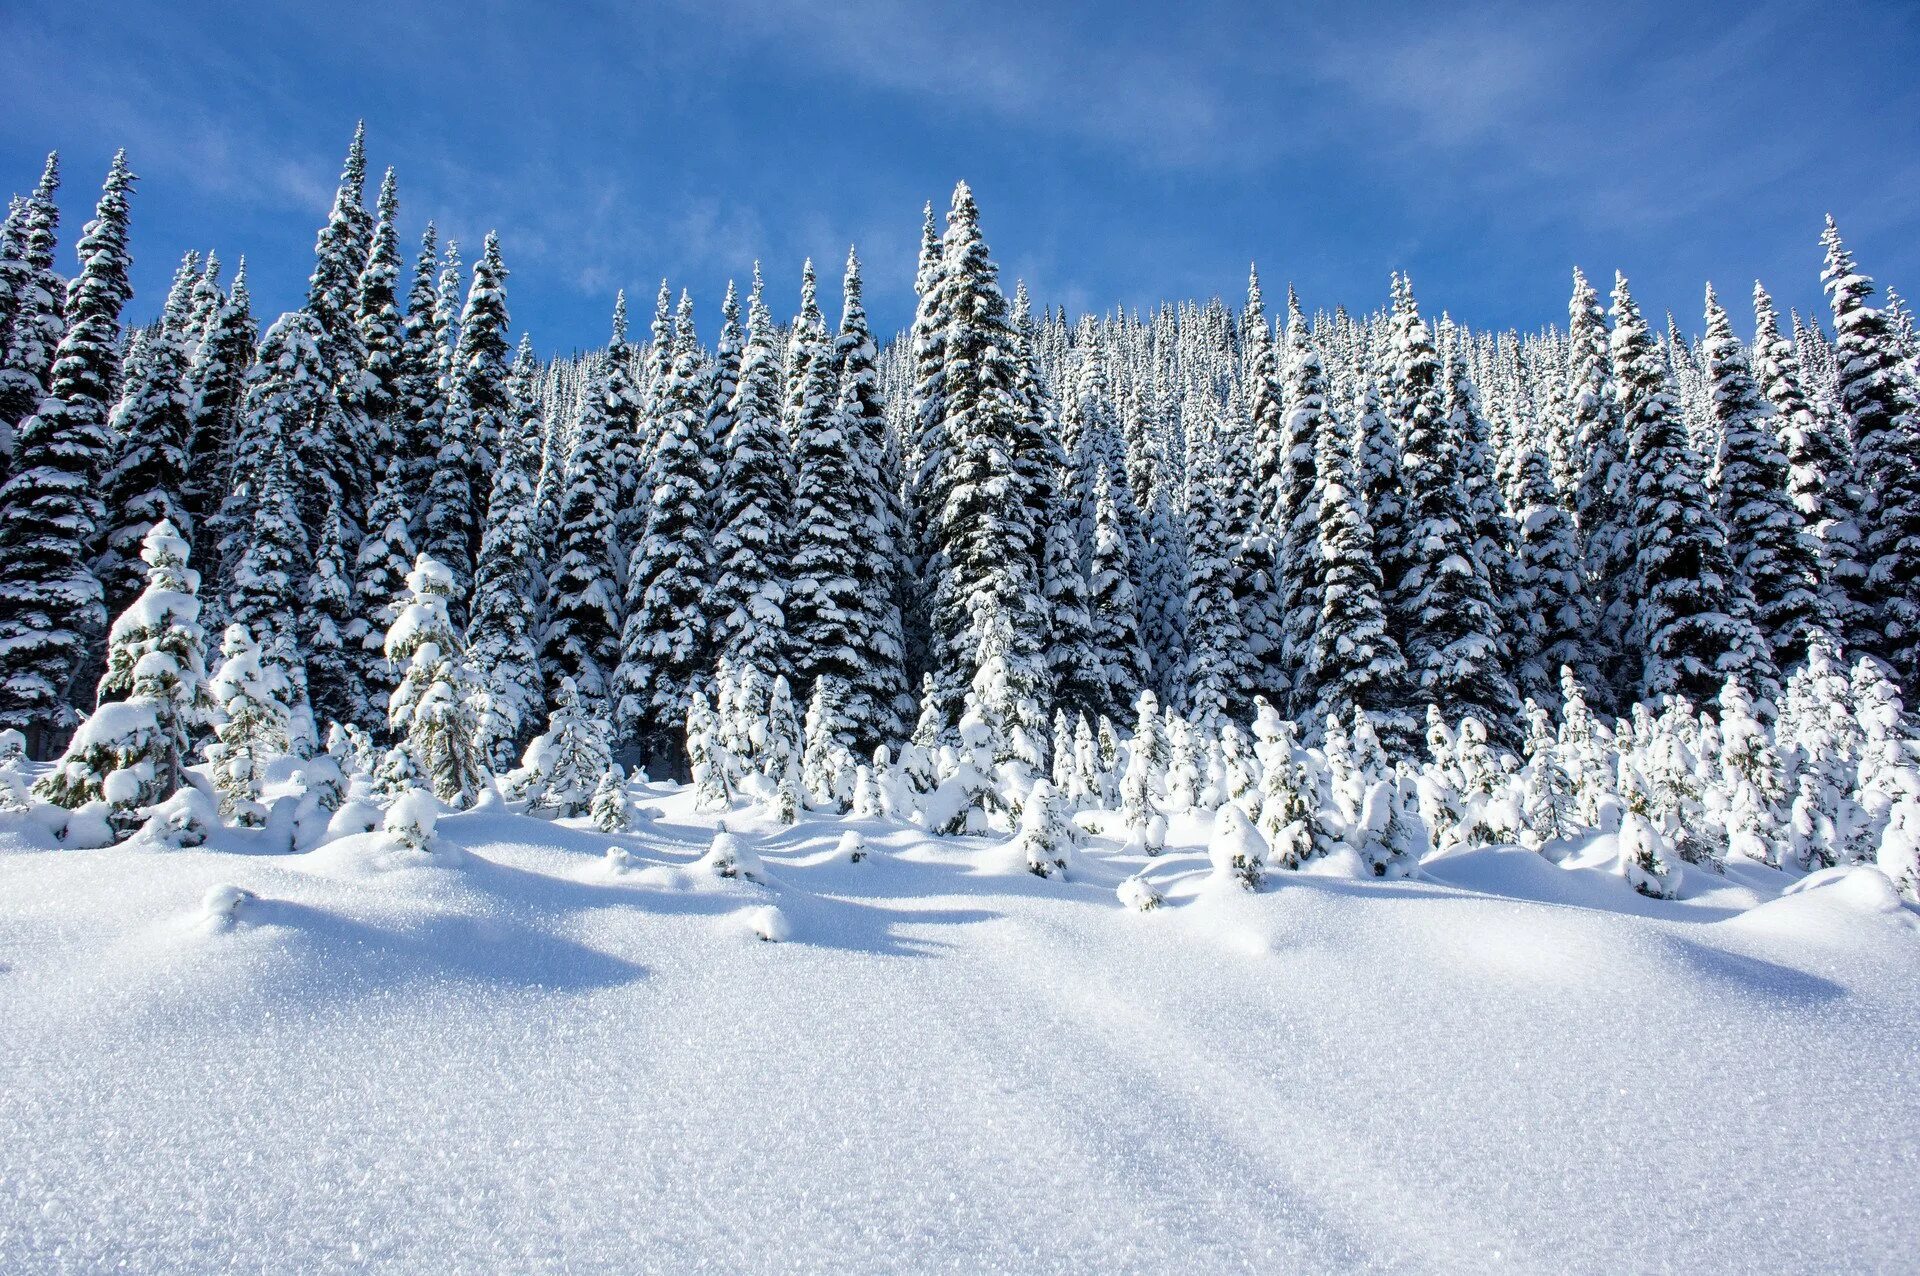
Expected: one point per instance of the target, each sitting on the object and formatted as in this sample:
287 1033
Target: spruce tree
330 457
33 321
50 600
146 484
1555 626
217 388
1453 647
1599 442
417 382
1820 476
629 424
1282 449
1300 559
264 592
1878 397
381 565
500 637
1687 632
983 542
752 506
479 414
1355 662
1114 608
1212 677
582 639
334 687
666 648
1772 558
431 707
377 315
843 619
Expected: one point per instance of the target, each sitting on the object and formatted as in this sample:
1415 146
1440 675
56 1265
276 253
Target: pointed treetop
49 177
388 204
850 286
619 319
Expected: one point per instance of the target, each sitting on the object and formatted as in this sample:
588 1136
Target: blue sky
1122 153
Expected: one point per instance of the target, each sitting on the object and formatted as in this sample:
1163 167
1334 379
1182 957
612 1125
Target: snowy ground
516 1058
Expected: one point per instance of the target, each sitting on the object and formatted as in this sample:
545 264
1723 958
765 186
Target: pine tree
925 461
377 314
1599 442
1878 398
333 671
50 600
156 648
146 484
1820 479
430 708
477 416
1355 661
329 457
500 637
1282 447
1453 647
582 639
251 696
33 321
1556 622
286 395
752 506
983 540
217 387
1212 677
843 617
417 382
1686 630
1114 609
1298 514
563 765
381 564
1772 559
665 649
264 594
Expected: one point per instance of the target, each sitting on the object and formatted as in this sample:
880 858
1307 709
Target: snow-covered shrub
1043 840
251 699
183 820
610 807
1145 827
564 764
851 847
411 821
1139 894
223 905
1236 849
726 857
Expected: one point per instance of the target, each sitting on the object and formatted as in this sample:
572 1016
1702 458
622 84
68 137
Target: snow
538 1053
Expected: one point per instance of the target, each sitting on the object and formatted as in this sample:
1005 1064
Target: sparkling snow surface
523 1054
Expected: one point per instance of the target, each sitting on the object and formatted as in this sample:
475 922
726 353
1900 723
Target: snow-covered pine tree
983 539
630 407
1268 595
217 389
843 616
500 635
753 505
1691 630
582 636
334 686
1453 647
50 600
380 570
377 315
665 649
1298 514
925 465
1114 609
264 592
430 708
417 381
1772 554
1599 442
157 648
330 456
33 322
251 697
1820 476
478 416
1213 677
151 430
1878 396
562 766
1554 618
1354 661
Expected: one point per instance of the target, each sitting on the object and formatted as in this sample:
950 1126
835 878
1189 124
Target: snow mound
1833 907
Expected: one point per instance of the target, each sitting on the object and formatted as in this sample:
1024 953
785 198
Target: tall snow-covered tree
377 314
478 416
1598 439
1688 630
381 565
666 647
146 483
417 381
1453 647
50 600
1555 626
334 688
500 636
33 320
752 506
1820 478
1114 608
1299 559
1772 554
582 638
217 389
1878 396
